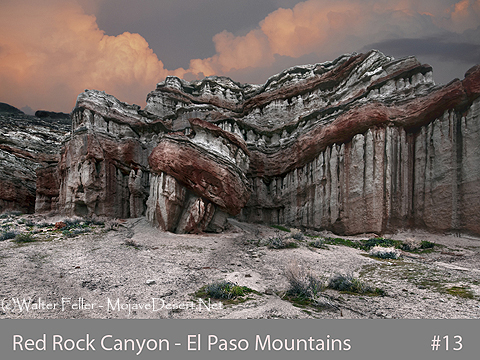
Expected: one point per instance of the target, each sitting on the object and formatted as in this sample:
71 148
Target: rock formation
28 146
364 143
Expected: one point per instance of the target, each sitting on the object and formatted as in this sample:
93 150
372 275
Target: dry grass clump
349 284
385 252
24 238
303 283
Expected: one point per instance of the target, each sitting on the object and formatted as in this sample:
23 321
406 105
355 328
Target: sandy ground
97 275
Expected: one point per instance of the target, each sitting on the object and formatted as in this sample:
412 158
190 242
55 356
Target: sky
51 50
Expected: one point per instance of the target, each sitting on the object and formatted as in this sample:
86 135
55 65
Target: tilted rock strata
364 143
27 145
115 161
339 145
211 164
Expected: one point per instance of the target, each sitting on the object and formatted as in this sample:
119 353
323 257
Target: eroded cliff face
364 143
28 146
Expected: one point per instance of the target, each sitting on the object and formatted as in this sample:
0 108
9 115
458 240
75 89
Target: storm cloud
52 50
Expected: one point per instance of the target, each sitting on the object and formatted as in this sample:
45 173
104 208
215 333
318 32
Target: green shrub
426 245
279 243
347 283
318 243
385 252
303 283
280 227
7 235
370 243
24 238
225 290
44 225
10 214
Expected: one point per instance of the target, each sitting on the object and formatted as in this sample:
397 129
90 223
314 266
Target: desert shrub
8 214
426 245
225 290
385 252
318 243
7 235
411 244
344 242
349 284
303 283
72 223
24 238
279 243
81 231
296 234
370 243
45 224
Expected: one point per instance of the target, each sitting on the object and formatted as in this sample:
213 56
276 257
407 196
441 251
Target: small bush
29 223
385 252
72 223
461 291
370 243
426 245
410 244
225 290
303 283
349 284
318 243
7 235
279 243
24 238
344 242
296 234
10 214
44 225
81 231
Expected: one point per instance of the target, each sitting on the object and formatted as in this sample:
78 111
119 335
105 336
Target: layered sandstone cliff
364 143
28 146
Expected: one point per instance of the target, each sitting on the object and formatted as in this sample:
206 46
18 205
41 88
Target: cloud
443 48
330 28
51 51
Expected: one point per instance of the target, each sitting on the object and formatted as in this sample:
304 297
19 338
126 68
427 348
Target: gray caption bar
239 339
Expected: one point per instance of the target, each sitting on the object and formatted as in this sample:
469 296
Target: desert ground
129 269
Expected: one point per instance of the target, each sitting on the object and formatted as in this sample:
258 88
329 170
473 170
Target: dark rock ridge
52 115
28 146
364 143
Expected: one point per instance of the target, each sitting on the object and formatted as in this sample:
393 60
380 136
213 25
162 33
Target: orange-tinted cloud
329 28
51 51
462 16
